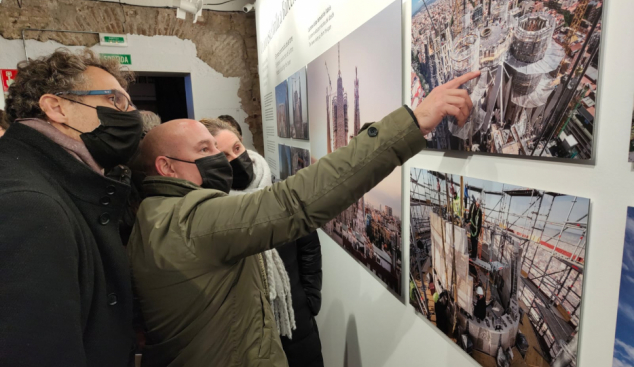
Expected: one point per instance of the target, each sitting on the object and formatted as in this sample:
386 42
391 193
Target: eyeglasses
120 100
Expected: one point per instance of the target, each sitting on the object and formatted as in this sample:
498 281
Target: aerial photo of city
358 80
498 268
539 67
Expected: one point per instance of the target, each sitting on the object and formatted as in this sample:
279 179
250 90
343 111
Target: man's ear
164 167
54 109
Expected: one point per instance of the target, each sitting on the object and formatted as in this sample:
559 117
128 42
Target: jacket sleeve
40 312
309 261
226 229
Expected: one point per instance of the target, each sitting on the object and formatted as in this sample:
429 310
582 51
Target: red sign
8 76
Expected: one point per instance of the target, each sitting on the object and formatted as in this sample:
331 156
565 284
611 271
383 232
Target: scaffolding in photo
540 259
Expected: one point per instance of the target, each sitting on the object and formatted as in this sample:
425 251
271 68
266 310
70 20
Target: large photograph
624 340
358 81
498 268
297 95
281 103
539 63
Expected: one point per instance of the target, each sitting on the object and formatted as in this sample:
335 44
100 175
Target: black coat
302 260
65 291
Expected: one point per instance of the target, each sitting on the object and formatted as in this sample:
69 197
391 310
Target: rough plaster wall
225 41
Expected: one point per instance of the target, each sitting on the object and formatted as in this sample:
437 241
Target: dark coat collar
79 179
173 187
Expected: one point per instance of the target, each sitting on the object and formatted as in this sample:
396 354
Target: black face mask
242 171
116 140
215 171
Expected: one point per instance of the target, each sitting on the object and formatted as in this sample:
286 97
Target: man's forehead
99 79
192 131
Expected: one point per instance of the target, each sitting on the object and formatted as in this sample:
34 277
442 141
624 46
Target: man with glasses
65 293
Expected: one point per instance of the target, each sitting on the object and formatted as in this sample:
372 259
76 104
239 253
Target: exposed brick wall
225 41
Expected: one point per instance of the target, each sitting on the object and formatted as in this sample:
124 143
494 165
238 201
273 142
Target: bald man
195 251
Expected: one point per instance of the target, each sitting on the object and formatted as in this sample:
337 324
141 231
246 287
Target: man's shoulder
25 181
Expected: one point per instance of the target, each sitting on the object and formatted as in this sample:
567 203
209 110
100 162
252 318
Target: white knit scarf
276 275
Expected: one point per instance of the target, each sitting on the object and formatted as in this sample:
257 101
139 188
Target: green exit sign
115 39
123 59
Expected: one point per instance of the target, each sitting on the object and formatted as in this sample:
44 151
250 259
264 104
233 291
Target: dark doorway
166 94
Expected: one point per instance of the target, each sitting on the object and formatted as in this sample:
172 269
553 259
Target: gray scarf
276 275
75 148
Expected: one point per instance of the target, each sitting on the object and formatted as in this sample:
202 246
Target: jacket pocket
267 328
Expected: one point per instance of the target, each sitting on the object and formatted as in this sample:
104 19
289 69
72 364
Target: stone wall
226 41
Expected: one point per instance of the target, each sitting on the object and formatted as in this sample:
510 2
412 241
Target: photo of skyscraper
281 102
499 268
299 105
539 63
365 66
285 161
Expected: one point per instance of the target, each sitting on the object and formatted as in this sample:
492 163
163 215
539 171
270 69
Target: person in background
475 226
480 310
441 306
66 294
456 205
192 246
232 121
3 124
298 260
150 121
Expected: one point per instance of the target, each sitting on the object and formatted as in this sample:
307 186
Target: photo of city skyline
498 268
538 59
356 81
297 95
624 339
281 102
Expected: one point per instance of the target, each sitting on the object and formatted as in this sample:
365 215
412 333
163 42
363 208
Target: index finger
456 82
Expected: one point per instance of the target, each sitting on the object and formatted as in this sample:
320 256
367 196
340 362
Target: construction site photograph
367 64
539 63
297 95
624 338
498 268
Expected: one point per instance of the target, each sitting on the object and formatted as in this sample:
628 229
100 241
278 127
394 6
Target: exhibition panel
498 268
539 62
537 96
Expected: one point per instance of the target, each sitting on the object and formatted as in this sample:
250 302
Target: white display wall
361 322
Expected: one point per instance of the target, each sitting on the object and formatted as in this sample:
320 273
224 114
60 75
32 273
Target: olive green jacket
202 291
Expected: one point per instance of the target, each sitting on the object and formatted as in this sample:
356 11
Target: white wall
362 324
213 94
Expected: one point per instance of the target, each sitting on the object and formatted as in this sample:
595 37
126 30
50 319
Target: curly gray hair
60 71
